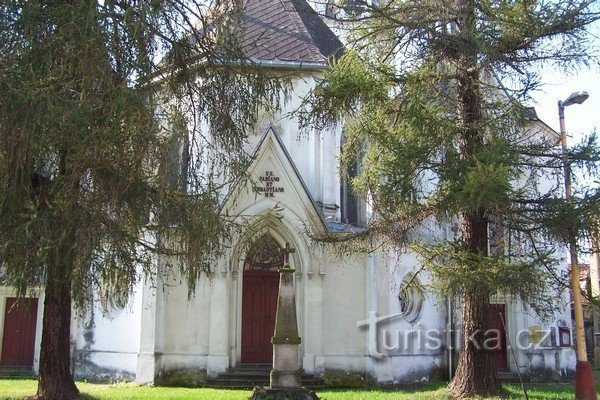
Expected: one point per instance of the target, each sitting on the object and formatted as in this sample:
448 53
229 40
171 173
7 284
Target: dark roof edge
530 113
291 64
159 76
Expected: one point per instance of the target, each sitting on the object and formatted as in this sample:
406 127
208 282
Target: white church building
357 319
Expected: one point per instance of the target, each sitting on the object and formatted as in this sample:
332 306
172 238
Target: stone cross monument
285 377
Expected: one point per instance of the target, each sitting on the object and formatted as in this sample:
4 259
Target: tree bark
476 373
55 380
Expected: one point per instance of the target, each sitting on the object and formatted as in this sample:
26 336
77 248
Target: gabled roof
286 31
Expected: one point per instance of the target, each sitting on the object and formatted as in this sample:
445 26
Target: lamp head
575 98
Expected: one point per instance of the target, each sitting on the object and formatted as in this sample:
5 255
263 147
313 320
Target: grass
18 389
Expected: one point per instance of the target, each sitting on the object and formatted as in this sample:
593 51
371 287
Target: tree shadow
86 396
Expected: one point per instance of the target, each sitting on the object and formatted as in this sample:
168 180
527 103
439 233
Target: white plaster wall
187 324
314 153
108 343
411 350
344 304
312 339
530 357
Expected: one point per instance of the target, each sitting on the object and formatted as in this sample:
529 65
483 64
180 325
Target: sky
580 119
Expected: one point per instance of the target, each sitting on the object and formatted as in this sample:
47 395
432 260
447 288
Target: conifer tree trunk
476 373
55 380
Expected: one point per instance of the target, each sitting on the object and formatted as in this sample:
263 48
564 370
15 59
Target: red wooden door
498 322
18 341
259 305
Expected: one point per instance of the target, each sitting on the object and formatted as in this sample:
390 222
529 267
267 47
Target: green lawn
11 389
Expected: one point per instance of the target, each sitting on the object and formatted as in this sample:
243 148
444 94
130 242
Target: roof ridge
286 30
307 8
294 17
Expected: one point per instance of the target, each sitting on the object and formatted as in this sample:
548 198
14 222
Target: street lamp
584 377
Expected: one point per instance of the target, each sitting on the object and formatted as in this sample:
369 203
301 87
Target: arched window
264 255
410 298
113 296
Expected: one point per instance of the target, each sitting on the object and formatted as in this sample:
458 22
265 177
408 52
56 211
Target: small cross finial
286 253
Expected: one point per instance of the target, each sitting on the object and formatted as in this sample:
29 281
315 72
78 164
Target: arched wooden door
259 300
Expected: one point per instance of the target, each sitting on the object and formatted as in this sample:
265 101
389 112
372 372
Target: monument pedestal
286 380
285 373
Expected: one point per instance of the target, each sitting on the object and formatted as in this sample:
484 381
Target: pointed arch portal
259 299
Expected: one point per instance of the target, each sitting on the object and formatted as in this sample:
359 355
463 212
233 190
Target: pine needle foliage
114 117
122 122
431 94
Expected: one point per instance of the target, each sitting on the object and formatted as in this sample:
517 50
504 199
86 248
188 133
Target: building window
113 296
349 207
330 9
564 335
264 254
410 298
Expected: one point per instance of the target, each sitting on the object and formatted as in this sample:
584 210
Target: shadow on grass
437 390
85 396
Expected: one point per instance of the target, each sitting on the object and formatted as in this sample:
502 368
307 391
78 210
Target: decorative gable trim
265 184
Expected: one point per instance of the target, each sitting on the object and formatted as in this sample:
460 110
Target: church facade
356 312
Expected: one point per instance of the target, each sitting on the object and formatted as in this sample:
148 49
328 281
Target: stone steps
510 377
248 376
16 372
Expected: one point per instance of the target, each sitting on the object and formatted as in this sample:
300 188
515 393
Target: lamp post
584 378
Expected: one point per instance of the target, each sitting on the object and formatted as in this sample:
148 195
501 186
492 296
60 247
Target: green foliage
430 95
121 122
456 271
349 84
486 184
